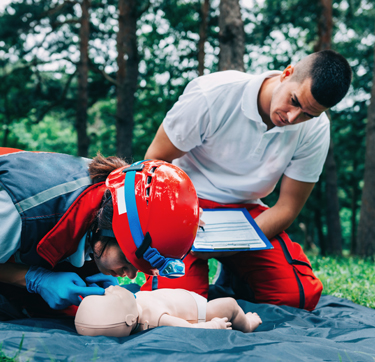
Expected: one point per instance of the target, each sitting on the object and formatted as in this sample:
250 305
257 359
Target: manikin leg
228 307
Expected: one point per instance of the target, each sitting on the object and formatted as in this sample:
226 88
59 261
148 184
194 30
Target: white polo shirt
231 157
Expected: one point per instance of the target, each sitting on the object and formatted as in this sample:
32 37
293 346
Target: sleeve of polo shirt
186 124
308 160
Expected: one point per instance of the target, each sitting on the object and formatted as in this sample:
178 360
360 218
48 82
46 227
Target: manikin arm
215 323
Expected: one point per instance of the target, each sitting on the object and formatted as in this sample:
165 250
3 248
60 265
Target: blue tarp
338 330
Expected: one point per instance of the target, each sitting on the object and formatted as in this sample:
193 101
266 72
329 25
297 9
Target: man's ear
287 73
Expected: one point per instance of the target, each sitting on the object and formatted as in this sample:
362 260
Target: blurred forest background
82 76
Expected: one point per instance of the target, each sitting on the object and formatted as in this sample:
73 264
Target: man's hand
209 255
201 222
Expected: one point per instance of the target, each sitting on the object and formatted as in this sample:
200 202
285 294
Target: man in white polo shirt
236 135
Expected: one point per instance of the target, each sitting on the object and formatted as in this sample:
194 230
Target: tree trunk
231 36
7 121
354 208
334 242
325 27
127 75
83 140
366 227
5 135
318 219
202 35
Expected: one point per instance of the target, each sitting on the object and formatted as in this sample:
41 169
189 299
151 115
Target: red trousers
281 276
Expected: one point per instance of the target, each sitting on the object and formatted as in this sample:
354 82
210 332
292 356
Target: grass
346 277
15 358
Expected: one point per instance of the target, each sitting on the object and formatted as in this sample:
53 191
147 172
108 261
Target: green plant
346 277
15 358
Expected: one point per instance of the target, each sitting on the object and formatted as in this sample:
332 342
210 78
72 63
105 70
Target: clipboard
229 230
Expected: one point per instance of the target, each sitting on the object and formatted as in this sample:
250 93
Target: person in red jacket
58 212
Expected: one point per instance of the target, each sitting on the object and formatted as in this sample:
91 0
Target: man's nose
293 114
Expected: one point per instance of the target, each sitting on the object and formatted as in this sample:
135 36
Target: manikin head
113 314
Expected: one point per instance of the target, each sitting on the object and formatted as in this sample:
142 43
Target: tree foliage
39 56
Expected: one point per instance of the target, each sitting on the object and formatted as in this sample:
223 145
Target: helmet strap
107 233
146 243
143 243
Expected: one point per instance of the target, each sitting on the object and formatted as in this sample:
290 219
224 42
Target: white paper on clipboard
229 230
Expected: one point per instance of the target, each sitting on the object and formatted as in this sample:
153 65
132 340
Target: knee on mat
312 294
304 293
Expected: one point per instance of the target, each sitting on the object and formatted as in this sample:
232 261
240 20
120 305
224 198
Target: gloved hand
58 289
101 280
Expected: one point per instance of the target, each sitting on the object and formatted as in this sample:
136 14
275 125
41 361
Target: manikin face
113 262
292 102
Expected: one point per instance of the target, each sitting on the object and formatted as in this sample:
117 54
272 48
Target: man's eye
295 103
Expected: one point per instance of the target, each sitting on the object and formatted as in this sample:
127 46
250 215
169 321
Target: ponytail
100 167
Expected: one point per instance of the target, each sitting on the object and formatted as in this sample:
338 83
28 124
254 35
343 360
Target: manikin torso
176 302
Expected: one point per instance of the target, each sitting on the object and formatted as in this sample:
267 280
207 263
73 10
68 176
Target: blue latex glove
101 280
58 289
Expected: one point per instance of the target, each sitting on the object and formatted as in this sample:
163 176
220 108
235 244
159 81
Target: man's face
293 103
113 262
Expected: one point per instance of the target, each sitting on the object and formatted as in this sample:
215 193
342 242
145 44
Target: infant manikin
119 312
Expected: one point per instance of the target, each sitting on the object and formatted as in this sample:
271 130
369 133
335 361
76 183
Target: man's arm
293 195
162 148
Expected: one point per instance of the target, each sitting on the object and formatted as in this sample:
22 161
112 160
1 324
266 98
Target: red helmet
155 215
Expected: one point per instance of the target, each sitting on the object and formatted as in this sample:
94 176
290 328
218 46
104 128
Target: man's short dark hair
330 75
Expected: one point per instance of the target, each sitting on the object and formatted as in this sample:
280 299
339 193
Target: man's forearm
11 273
275 220
292 197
